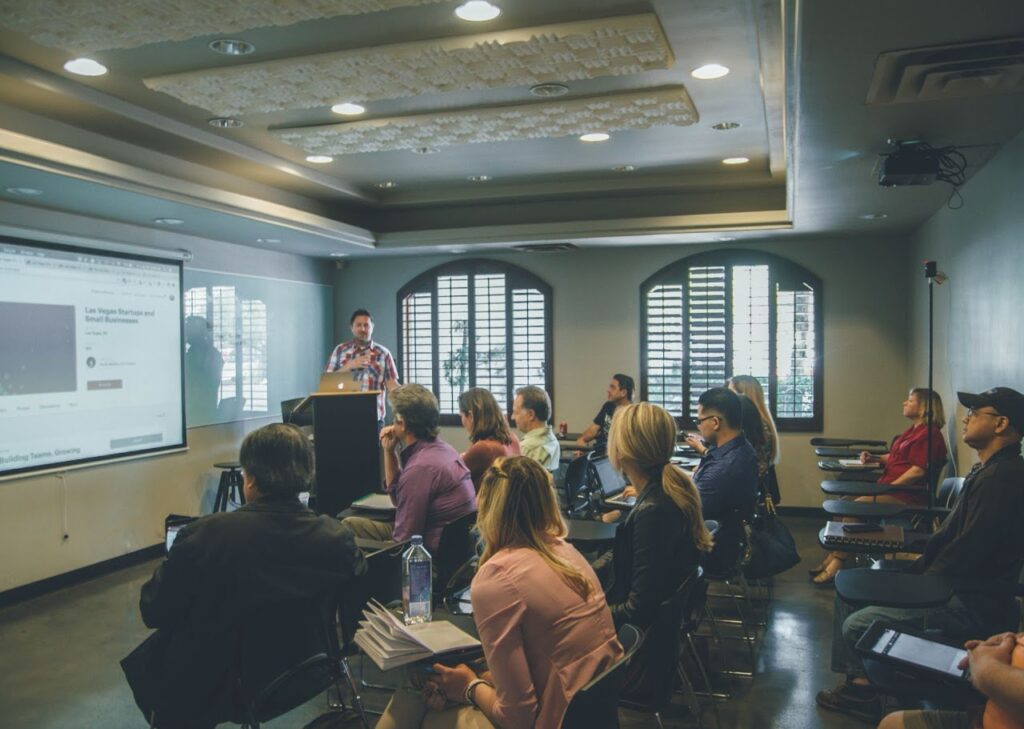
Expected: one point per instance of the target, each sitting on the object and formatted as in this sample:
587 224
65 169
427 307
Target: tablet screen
921 652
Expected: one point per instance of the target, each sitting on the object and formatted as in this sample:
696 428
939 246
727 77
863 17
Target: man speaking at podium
372 360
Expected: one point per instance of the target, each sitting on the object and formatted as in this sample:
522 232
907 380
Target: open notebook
389 642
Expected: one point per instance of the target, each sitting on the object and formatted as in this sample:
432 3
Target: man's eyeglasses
706 417
972 413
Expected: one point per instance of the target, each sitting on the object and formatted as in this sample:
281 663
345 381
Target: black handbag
770 547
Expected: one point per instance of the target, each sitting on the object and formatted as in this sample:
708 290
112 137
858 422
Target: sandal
821 566
827 577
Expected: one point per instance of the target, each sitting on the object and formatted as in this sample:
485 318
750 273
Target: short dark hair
359 312
535 399
418 409
278 458
726 403
626 383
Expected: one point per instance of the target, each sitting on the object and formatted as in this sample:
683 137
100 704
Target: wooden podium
346 446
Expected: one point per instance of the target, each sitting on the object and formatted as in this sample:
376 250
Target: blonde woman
659 543
904 465
538 607
768 448
489 434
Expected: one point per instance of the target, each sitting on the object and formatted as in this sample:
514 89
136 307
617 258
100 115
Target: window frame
515 278
779 270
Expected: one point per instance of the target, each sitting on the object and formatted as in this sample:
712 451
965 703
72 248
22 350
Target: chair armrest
862 510
892 589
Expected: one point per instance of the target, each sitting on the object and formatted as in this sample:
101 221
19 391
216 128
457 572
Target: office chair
456 547
288 414
595 706
576 485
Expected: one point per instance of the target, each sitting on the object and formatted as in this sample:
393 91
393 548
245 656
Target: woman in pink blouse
489 434
543 621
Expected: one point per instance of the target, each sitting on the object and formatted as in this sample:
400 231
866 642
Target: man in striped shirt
371 361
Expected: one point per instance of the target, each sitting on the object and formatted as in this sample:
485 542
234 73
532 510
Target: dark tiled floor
61 652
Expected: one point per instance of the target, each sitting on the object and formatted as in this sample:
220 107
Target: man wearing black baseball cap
981 542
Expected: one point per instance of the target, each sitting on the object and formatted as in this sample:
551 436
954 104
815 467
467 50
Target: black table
835 452
849 442
832 465
892 589
855 488
862 509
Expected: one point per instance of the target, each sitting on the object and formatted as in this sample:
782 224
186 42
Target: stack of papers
855 463
390 643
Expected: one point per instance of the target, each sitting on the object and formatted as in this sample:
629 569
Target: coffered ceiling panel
542 120
83 27
560 53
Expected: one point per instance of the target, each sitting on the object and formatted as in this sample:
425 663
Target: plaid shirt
380 371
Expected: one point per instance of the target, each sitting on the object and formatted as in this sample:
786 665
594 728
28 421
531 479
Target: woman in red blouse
489 434
904 465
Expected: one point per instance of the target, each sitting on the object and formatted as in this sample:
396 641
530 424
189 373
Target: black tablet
919 652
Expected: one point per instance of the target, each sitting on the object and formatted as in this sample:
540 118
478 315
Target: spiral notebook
888 537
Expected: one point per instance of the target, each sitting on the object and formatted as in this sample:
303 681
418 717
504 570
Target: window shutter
254 355
490 334
417 339
528 339
751 346
665 347
706 333
795 354
452 340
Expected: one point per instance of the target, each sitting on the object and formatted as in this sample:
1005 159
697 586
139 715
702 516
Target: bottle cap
417 539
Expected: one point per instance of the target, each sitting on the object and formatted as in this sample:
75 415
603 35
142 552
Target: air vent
948 72
546 247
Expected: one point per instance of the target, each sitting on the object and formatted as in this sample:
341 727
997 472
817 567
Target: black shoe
861 702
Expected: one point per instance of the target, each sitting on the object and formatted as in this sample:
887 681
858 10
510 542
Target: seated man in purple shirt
428 483
727 475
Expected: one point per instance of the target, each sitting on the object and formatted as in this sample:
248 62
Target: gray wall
111 510
596 331
978 340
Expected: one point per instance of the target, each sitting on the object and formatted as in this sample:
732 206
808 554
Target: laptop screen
610 481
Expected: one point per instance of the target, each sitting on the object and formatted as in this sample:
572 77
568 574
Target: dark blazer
223 568
653 554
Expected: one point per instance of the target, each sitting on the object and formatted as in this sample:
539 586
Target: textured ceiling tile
523 57
634 110
83 26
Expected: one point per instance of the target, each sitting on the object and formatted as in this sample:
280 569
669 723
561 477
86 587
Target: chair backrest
288 415
575 482
288 653
949 491
595 706
456 547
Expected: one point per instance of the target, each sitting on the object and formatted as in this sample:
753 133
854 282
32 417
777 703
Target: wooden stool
230 479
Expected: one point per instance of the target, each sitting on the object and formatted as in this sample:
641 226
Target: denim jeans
849 624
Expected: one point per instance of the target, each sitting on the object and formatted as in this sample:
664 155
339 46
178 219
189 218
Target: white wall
119 508
596 329
978 331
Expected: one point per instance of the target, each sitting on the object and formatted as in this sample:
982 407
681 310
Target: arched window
475 323
713 315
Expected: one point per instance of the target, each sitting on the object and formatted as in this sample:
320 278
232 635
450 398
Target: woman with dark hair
538 607
489 434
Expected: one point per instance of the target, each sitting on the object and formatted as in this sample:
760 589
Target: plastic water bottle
417 597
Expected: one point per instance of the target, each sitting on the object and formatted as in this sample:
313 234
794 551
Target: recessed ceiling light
874 216
387 185
348 109
478 10
231 47
709 71
26 191
624 168
595 137
456 249
725 126
268 240
338 255
320 159
224 122
724 238
168 221
426 150
479 178
548 91
735 160
85 67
